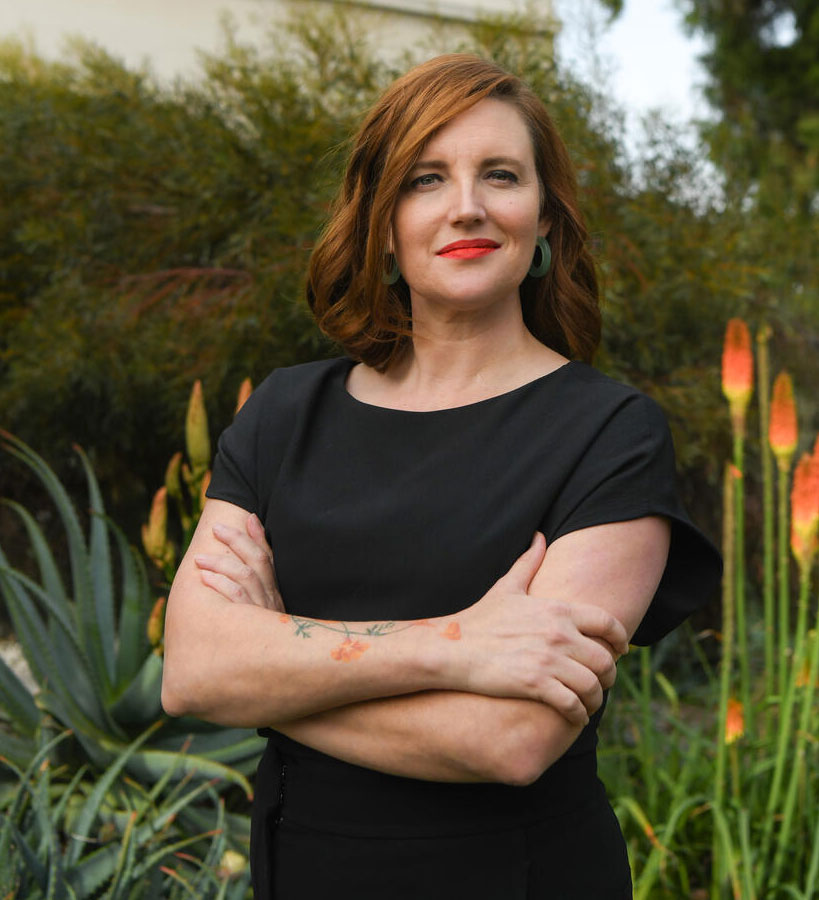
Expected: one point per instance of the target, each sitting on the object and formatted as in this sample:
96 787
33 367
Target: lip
468 249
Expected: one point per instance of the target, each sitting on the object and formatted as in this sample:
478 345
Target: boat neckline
448 409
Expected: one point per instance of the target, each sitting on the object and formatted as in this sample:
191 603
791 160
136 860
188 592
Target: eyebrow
488 162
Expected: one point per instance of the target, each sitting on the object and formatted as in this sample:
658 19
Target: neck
469 358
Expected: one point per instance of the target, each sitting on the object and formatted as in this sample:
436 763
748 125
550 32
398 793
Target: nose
467 206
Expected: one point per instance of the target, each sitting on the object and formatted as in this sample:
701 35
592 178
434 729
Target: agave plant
75 838
85 639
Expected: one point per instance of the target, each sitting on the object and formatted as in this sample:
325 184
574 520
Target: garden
153 240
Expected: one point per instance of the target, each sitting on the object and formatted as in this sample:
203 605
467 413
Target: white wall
166 33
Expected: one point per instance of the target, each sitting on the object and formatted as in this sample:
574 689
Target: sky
644 54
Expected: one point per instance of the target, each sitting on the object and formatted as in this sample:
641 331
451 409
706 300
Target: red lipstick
468 249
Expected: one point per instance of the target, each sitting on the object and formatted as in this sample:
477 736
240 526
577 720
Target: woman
429 686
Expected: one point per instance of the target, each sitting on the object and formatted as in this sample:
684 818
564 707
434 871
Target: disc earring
394 273
539 269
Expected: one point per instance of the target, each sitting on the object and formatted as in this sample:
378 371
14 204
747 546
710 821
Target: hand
245 572
562 654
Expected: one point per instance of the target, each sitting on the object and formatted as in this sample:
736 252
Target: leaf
135 606
16 702
101 580
51 659
90 809
140 703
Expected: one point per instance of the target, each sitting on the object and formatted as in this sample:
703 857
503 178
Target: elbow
522 757
175 701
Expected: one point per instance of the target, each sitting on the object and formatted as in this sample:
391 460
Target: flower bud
155 533
737 371
155 628
197 440
782 431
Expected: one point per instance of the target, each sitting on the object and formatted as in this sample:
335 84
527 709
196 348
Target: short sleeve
627 471
234 467
247 450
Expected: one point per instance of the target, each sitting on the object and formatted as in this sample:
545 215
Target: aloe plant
85 640
62 839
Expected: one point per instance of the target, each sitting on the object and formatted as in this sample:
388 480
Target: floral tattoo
351 648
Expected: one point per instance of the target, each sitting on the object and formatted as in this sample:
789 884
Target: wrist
441 654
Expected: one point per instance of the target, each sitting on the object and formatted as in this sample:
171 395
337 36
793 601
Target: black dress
382 514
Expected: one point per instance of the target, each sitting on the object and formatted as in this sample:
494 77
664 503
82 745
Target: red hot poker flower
805 509
734 721
783 431
737 371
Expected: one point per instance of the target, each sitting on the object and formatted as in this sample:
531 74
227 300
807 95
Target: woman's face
468 215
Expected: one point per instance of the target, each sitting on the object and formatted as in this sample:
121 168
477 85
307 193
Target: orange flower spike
734 721
737 371
783 430
805 509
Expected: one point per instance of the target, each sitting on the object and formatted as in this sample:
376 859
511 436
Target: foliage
763 64
716 787
152 236
186 482
96 630
70 837
763 83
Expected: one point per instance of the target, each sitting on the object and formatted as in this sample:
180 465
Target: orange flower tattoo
348 650
452 631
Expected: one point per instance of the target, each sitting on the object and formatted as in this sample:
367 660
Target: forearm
241 665
232 655
442 736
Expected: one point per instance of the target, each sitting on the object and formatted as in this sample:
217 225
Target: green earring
538 270
394 273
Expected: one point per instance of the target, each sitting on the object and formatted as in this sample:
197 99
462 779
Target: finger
229 566
250 552
594 621
564 700
255 530
598 658
526 565
585 683
257 534
225 586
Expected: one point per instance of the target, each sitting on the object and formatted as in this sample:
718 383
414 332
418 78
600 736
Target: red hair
345 291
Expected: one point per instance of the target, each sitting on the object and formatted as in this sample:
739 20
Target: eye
425 180
503 175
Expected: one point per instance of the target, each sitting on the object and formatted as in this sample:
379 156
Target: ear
390 245
544 226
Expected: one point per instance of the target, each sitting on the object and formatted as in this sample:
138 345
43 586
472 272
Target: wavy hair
345 290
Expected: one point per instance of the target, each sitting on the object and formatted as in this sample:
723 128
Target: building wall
167 33
435 25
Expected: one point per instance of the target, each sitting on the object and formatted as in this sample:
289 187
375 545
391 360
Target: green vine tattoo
351 647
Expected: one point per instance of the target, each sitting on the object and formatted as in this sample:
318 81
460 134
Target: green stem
647 742
783 568
728 536
784 738
739 582
798 766
768 584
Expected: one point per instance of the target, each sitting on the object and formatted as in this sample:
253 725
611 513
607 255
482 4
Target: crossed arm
496 693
